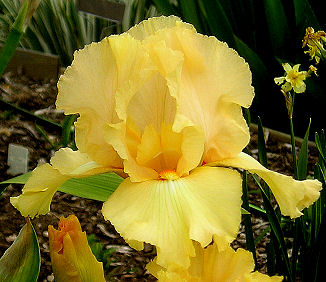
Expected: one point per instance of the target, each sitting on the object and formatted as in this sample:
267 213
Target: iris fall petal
169 213
291 195
46 179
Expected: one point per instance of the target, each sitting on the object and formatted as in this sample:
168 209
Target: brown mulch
126 264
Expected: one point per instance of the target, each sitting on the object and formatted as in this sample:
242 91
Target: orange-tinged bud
71 256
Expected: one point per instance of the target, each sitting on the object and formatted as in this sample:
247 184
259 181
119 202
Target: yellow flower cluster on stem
162 106
315 42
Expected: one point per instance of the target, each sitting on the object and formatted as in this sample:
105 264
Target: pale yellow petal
214 78
169 213
89 138
296 67
287 86
152 104
192 149
152 25
89 86
287 67
259 277
75 163
279 80
122 138
214 265
291 195
46 179
226 265
299 87
38 191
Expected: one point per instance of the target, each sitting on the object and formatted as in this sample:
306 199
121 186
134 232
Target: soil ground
125 263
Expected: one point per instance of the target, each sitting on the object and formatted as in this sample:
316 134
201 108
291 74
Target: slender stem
247 219
294 154
297 224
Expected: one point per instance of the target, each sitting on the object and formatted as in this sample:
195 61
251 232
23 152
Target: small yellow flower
292 79
314 41
71 256
312 69
214 265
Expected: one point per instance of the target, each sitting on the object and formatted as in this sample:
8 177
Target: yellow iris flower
71 257
292 79
162 103
211 264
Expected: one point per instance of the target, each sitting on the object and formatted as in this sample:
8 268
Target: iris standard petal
169 213
89 89
208 67
291 195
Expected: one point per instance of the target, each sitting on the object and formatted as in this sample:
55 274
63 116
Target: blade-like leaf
277 25
190 13
97 187
218 22
21 261
165 7
261 144
304 14
303 156
276 228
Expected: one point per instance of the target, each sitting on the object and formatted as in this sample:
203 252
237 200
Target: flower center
169 175
293 75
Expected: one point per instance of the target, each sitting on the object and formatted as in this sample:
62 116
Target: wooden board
102 8
34 64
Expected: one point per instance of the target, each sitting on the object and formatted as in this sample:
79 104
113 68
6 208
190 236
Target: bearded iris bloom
162 105
71 256
211 264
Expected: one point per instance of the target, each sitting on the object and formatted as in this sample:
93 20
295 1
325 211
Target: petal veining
169 213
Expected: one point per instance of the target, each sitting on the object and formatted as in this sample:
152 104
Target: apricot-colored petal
118 136
291 195
73 260
169 213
